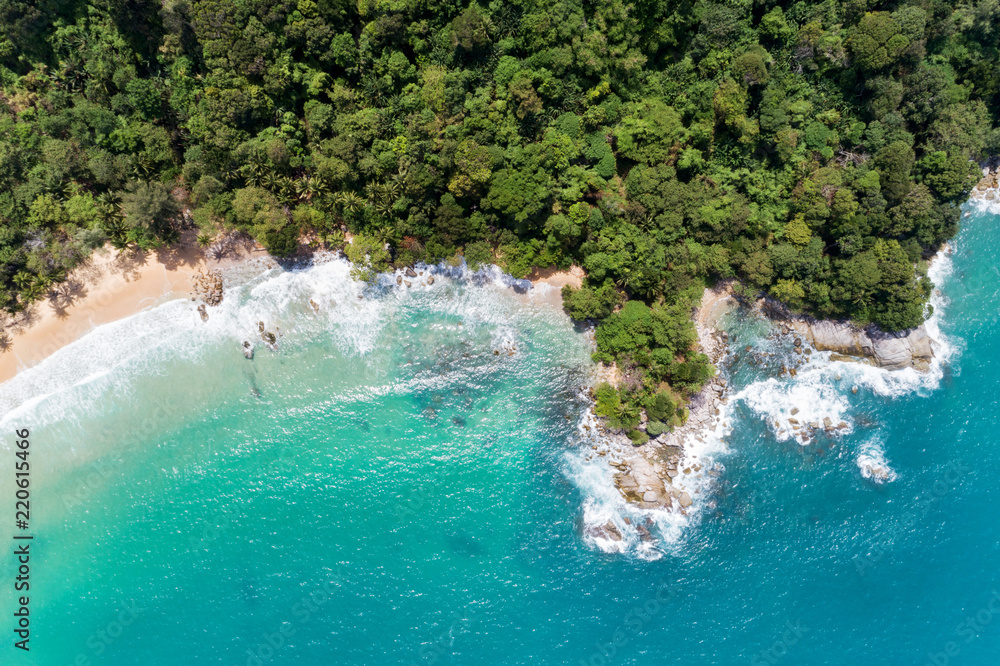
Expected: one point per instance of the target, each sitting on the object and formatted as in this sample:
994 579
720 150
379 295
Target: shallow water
385 489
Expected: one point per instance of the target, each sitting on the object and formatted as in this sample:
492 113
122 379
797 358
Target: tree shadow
183 253
64 295
129 263
24 319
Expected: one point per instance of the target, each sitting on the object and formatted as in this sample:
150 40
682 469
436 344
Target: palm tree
272 181
626 411
349 201
305 188
35 290
253 174
23 279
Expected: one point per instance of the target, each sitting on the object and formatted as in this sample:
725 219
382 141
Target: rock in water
410 273
904 349
399 279
606 531
430 279
248 349
260 327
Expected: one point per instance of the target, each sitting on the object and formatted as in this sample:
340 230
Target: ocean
408 478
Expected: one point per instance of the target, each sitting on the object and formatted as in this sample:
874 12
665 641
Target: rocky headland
893 351
663 473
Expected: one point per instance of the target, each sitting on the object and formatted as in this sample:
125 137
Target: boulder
605 531
894 351
643 533
410 273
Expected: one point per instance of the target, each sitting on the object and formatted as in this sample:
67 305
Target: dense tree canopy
817 151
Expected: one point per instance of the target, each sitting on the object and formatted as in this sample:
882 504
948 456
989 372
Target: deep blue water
385 489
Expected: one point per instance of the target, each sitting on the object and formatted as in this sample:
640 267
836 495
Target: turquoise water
385 489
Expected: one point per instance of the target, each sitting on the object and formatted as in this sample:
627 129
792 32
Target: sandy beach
548 283
112 285
109 286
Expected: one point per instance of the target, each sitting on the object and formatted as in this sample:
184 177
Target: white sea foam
873 464
822 388
352 315
640 532
808 399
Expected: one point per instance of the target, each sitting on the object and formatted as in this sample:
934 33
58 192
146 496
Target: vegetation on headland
818 151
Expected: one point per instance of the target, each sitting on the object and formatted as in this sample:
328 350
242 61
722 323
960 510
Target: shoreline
111 285
108 286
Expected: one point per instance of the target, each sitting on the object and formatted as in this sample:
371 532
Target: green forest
815 151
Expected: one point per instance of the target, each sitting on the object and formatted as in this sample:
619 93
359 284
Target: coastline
108 286
111 285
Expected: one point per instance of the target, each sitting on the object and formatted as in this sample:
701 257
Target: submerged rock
248 349
606 531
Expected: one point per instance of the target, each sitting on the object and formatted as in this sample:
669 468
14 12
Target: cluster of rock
207 286
610 532
988 189
410 273
645 475
806 431
704 409
648 483
905 349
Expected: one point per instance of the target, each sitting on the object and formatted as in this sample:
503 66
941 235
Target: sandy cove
548 283
108 286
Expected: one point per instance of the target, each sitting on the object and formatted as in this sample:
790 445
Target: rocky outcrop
207 286
894 351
